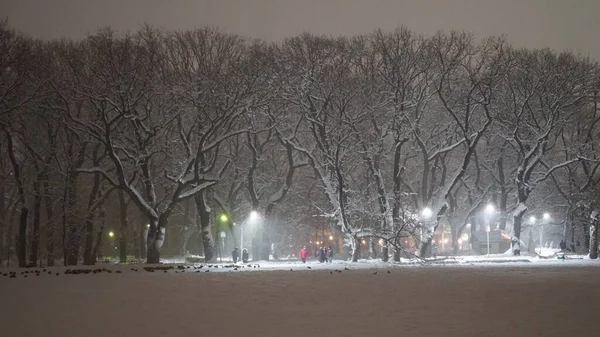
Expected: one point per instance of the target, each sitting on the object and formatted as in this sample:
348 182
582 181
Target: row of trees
170 128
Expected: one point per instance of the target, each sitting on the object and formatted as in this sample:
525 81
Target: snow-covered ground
549 298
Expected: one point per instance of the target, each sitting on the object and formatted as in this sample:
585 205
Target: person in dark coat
562 245
329 254
321 254
235 254
245 255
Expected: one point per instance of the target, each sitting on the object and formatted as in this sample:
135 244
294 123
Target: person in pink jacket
303 254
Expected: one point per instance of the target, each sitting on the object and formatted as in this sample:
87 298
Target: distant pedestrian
321 254
329 254
235 254
245 255
303 254
562 245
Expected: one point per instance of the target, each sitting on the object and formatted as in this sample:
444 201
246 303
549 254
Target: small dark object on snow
57 274
290 269
12 276
206 271
25 276
180 267
37 274
200 267
44 270
388 272
339 271
308 267
197 271
118 272
165 271
375 273
234 268
346 268
331 272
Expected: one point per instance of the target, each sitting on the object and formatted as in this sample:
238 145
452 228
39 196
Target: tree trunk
372 249
49 223
385 253
72 240
516 236
355 249
99 233
152 251
9 234
21 241
156 238
35 237
205 226
123 230
503 193
593 239
3 209
425 247
89 258
141 239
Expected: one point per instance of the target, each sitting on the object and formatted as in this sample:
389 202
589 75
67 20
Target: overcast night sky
559 24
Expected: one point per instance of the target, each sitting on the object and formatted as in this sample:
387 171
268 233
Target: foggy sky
559 24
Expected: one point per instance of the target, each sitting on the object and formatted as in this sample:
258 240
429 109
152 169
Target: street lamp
251 219
330 237
223 236
546 217
426 213
111 234
489 210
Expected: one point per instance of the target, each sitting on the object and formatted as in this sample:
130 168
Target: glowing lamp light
426 212
253 216
330 237
223 218
532 219
460 241
363 242
546 216
445 240
111 234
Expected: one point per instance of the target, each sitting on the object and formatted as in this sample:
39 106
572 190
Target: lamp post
532 221
426 213
253 217
546 217
489 210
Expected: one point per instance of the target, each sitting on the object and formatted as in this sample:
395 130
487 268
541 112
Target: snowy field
466 298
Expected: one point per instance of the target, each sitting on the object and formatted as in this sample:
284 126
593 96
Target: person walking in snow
303 254
321 254
562 245
235 254
245 255
329 254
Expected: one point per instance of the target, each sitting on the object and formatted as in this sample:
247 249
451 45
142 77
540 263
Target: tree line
155 130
